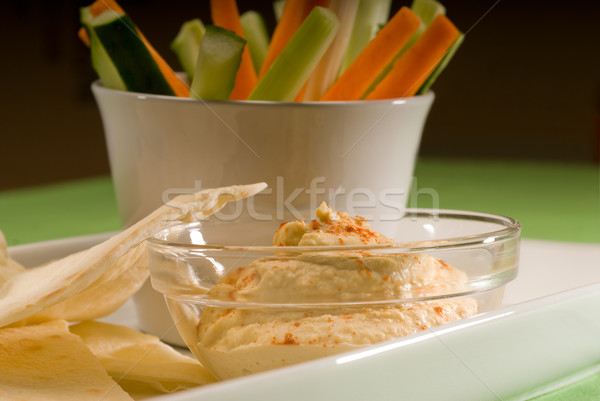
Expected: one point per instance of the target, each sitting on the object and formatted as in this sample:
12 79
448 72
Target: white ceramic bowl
160 146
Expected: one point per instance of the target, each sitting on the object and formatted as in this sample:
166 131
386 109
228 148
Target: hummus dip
234 342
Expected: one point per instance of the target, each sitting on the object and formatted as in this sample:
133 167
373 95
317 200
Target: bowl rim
98 88
511 229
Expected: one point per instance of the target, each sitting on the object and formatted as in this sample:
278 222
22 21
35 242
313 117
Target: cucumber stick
106 70
292 68
119 56
257 37
101 62
219 59
186 45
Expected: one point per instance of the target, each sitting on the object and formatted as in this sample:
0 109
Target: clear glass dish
246 307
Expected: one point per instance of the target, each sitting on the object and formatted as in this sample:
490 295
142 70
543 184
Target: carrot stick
83 35
412 69
294 13
179 87
376 55
226 15
99 6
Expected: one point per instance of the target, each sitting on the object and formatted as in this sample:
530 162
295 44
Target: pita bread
106 295
36 289
139 362
46 362
8 267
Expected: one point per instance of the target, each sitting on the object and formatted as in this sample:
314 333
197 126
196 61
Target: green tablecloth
553 201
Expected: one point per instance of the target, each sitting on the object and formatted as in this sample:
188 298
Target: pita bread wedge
139 362
46 363
8 267
106 295
36 289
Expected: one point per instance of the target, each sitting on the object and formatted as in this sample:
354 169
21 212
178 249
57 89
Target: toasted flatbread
141 362
8 267
34 290
46 362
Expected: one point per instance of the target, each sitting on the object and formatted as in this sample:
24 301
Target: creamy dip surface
329 228
238 341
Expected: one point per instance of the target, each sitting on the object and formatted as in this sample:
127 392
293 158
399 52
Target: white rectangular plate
548 329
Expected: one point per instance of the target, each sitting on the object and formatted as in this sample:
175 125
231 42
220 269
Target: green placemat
553 201
587 389
581 386
59 211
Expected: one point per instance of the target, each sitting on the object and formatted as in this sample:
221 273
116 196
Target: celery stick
326 71
219 59
186 45
440 67
427 10
371 15
278 8
290 70
257 37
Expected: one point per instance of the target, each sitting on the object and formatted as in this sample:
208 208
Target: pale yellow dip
329 228
237 341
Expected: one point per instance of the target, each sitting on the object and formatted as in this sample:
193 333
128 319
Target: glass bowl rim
511 229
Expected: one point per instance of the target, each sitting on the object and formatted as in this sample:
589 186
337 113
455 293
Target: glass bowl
246 307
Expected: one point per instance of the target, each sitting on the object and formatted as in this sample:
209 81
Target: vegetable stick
327 70
294 13
427 10
226 15
370 16
372 60
441 66
83 35
219 58
278 9
178 86
186 45
412 69
413 39
107 71
297 60
99 6
257 37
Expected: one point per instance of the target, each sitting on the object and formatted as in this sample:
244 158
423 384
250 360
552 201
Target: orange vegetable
378 53
412 69
83 35
225 14
178 86
294 13
99 6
